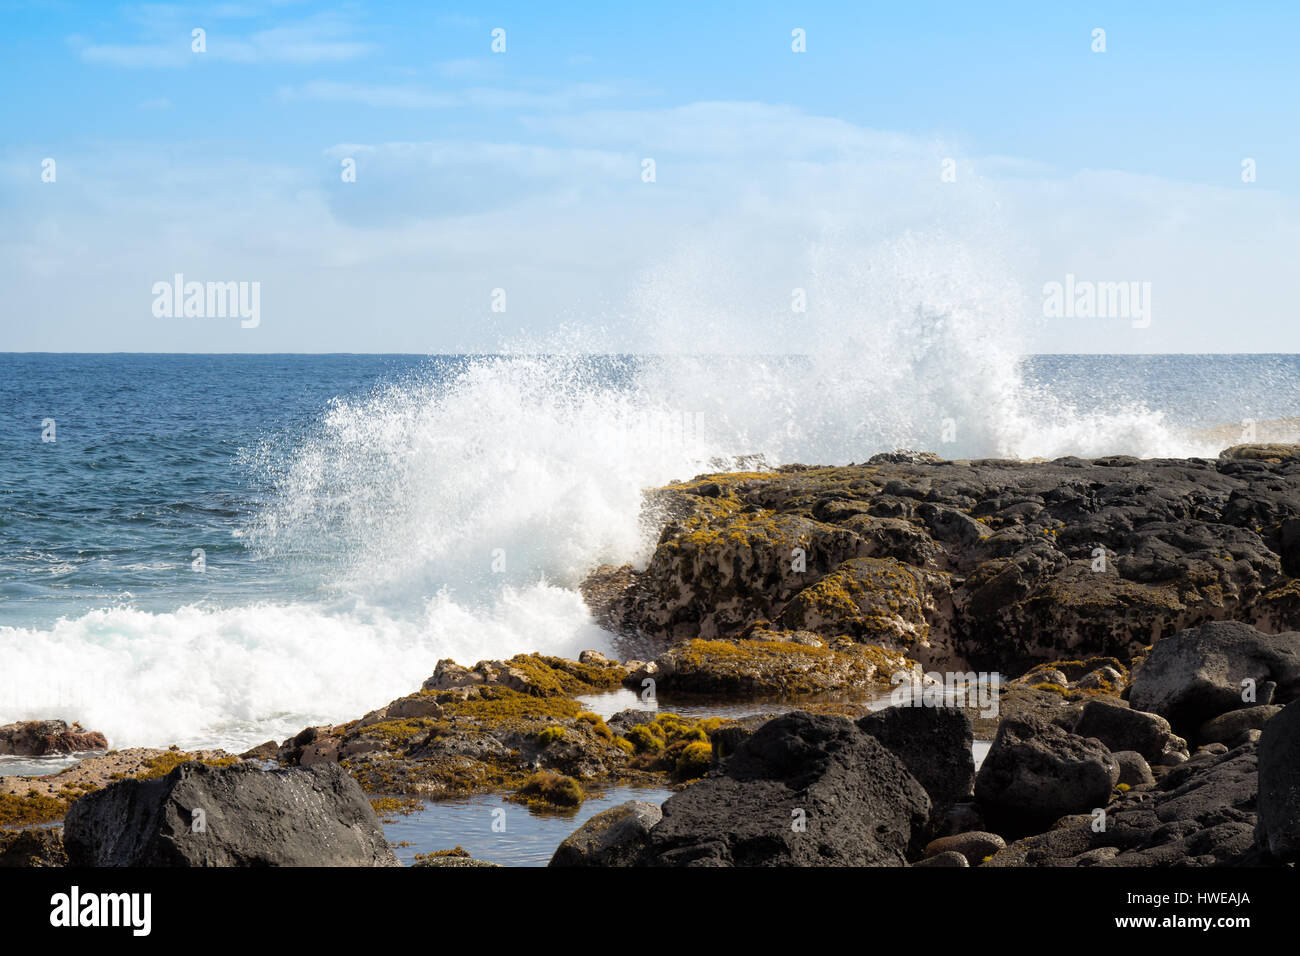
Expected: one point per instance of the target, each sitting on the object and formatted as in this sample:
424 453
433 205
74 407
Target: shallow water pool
40 766
529 837
522 836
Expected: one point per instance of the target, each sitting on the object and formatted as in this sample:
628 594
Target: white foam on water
233 678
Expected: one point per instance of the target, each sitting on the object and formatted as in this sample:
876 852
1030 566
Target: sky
956 156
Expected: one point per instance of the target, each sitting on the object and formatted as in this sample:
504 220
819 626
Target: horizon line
763 355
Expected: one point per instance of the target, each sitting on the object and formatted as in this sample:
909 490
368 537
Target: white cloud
750 201
472 68
167 37
422 98
755 130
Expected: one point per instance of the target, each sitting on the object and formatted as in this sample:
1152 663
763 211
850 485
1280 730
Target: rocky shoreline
1123 631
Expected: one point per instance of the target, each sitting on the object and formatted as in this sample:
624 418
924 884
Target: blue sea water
361 516
144 467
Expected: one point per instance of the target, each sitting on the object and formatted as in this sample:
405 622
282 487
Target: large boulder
315 816
1200 813
934 744
803 790
717 571
1233 726
970 565
1198 674
1134 771
1122 728
974 845
1278 826
37 738
1035 773
613 837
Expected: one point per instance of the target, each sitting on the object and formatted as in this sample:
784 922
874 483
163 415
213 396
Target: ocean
217 550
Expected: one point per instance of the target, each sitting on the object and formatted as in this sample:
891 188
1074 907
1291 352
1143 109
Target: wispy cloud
472 68
417 97
724 129
166 41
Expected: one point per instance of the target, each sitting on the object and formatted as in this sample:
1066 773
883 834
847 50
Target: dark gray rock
613 837
934 744
974 846
959 818
1245 737
1278 829
1201 813
803 790
1134 771
950 526
1197 674
1229 727
1122 728
950 858
625 720
315 816
36 738
1035 772
729 736
1186 541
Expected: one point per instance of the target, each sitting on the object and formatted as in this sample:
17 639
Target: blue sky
522 170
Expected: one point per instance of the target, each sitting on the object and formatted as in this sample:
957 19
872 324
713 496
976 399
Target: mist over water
450 507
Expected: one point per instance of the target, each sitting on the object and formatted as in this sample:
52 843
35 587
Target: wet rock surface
804 790
934 744
1201 673
991 564
767 663
500 724
974 846
38 738
1035 773
1123 728
37 846
1279 785
240 815
613 837
1201 813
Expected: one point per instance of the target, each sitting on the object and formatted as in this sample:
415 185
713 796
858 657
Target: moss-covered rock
480 728
32 847
873 600
774 663
694 760
31 808
548 789
988 565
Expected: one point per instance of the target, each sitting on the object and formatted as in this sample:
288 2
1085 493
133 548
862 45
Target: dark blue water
145 467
